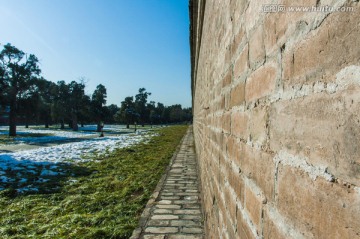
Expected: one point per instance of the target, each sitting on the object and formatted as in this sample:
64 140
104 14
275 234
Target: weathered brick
237 8
227 79
259 167
253 14
253 206
257 130
237 94
261 83
243 230
241 65
239 124
226 122
278 28
325 52
323 129
237 184
320 209
235 151
239 38
270 229
256 48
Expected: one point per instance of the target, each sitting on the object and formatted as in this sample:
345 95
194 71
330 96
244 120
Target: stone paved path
176 211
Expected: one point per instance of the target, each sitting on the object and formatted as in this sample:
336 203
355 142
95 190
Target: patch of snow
69 151
44 160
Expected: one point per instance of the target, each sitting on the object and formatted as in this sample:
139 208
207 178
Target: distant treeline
28 98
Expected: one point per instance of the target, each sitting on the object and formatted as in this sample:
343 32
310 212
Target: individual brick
253 206
261 83
270 229
243 229
256 48
241 65
260 167
257 127
237 96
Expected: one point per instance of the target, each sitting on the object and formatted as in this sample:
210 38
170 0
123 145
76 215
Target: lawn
101 198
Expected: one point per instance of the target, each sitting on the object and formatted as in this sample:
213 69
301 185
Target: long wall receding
276 100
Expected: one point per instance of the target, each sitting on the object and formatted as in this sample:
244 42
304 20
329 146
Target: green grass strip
105 200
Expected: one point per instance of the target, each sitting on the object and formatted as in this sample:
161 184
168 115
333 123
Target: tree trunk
75 126
98 128
47 121
12 119
27 121
62 124
127 126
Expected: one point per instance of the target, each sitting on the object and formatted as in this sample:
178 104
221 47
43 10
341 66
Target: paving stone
163 211
184 237
164 202
191 217
184 223
191 206
170 197
158 223
154 236
192 230
169 206
187 212
162 229
165 217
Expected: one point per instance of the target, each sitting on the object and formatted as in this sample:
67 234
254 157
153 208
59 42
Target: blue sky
122 44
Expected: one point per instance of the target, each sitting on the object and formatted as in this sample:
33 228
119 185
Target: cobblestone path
175 212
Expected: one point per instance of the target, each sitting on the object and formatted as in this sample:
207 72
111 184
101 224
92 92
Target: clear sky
122 44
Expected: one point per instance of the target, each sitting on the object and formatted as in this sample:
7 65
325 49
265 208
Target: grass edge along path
105 201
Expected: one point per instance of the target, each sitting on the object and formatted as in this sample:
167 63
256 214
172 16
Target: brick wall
276 99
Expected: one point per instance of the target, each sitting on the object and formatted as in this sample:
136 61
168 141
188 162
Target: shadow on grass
19 178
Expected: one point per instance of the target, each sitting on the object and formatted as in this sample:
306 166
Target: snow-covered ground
54 135
44 161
